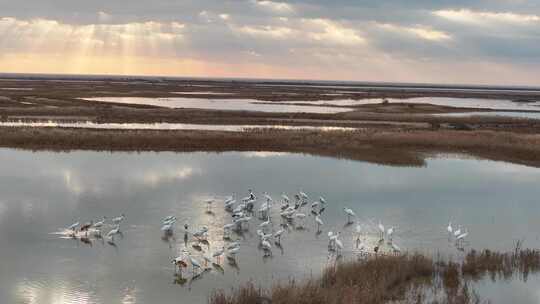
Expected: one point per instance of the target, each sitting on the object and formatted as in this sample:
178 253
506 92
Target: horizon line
276 80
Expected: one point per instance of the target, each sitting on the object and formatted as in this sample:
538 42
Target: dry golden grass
406 278
384 147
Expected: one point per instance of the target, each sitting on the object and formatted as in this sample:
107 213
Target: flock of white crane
293 214
243 212
94 229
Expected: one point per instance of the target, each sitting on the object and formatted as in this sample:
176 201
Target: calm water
162 126
43 192
316 106
497 104
204 93
532 115
220 104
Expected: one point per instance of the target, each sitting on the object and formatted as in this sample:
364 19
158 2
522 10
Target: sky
444 41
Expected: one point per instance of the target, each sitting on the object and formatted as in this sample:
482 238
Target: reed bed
404 278
403 148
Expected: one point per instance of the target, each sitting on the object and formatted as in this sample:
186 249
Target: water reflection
220 104
161 126
497 104
319 106
480 103
531 115
204 93
496 202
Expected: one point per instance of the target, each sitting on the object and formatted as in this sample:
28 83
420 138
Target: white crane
73 226
278 235
168 227
303 195
265 224
233 245
267 197
266 246
250 197
319 222
179 262
285 198
209 203
119 219
390 232
349 213
229 204
332 237
229 199
113 232
233 250
194 263
395 248
101 223
339 246
218 253
457 232
169 218
462 236
381 229
227 229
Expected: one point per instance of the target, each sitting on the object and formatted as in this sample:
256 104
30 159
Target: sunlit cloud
418 31
265 154
103 17
274 6
345 40
154 178
469 16
72 182
103 39
267 31
331 32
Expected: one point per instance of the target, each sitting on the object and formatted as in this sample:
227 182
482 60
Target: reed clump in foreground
405 278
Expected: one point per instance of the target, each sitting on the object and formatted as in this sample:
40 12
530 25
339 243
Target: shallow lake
161 126
497 104
221 104
531 115
43 192
319 106
481 103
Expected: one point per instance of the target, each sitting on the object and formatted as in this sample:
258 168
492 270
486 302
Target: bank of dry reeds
406 278
383 147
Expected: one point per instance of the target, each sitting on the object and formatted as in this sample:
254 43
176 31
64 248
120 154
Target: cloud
386 40
469 16
418 31
104 17
330 32
266 31
50 36
274 7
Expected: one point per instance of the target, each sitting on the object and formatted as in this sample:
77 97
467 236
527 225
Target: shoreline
399 278
398 148
388 133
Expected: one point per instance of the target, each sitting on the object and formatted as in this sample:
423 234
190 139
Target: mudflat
390 132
